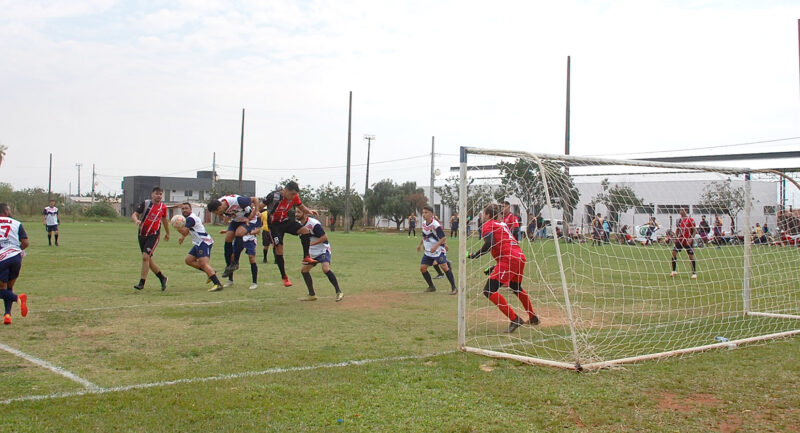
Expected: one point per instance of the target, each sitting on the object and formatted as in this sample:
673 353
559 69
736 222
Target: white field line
55 369
276 370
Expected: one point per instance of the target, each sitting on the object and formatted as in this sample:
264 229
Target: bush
101 210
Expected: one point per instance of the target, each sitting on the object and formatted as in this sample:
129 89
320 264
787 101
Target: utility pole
241 154
347 181
93 175
568 211
50 179
79 177
213 175
369 138
433 139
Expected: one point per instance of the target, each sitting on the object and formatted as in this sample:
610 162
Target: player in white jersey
239 210
249 242
50 221
13 240
200 254
320 250
433 239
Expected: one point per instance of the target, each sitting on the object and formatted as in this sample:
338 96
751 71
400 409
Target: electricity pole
79 177
93 175
432 174
347 181
369 138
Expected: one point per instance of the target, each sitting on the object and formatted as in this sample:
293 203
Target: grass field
96 355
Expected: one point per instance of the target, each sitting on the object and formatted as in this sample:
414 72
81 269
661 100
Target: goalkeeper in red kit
684 240
498 240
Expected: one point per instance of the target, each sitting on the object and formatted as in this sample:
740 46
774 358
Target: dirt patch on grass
730 424
670 401
373 301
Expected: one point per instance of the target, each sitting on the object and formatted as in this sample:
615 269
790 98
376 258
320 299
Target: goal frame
577 364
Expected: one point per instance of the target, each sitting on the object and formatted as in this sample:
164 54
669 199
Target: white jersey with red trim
11 235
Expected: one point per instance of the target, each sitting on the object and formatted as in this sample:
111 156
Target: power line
701 148
427 155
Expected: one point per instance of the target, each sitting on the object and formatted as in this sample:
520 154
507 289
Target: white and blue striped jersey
316 232
197 230
254 223
238 207
431 233
11 233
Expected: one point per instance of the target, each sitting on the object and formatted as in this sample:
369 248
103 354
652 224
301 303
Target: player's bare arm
135 218
307 211
165 224
324 238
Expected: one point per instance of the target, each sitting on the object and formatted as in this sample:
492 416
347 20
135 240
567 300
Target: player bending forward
255 227
13 240
200 254
684 240
510 267
240 210
320 251
433 238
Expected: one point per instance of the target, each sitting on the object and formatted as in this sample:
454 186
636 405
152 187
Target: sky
158 87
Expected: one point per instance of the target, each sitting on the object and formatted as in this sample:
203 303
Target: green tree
617 199
478 195
332 198
723 198
523 179
392 201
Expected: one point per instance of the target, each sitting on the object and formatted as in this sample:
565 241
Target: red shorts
509 269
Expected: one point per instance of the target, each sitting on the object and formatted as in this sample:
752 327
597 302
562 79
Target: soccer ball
178 221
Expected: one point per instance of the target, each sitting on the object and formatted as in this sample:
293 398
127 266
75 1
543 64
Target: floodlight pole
369 138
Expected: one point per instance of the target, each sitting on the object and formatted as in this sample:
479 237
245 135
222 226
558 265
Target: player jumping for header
240 210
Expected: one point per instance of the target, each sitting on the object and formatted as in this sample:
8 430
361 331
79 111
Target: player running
13 240
239 210
153 214
684 240
433 239
279 203
510 267
200 254
320 250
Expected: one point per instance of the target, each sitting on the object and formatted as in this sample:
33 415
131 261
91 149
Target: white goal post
599 236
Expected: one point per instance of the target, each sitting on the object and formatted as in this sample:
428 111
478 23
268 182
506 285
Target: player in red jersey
149 216
684 240
498 240
510 219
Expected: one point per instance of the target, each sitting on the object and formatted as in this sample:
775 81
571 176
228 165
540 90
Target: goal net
599 237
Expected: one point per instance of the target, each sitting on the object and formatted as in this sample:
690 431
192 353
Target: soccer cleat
208 280
215 288
138 286
309 261
694 276
253 286
23 304
226 273
534 320
164 283
673 273
454 292
227 284
339 296
6 319
308 298
438 277
286 282
516 323
430 289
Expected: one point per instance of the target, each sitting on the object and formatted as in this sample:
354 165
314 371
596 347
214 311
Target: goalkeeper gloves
488 270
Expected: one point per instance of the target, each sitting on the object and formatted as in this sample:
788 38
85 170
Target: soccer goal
599 237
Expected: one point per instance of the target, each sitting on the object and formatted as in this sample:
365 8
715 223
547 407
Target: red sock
501 303
526 302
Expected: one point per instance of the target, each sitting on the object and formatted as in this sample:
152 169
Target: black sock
215 280
309 283
9 298
694 269
160 276
674 262
254 271
238 246
438 270
49 238
141 282
428 279
265 256
279 262
228 251
56 239
332 279
305 240
451 278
